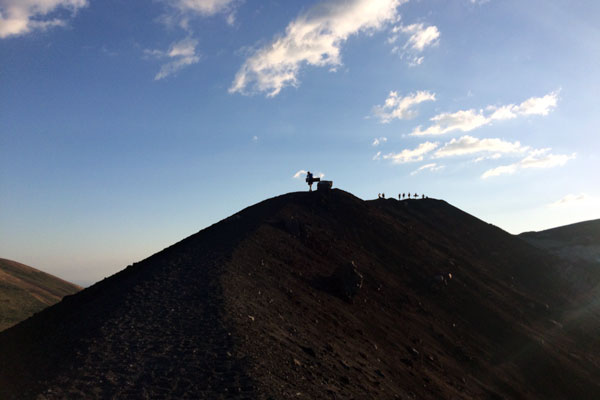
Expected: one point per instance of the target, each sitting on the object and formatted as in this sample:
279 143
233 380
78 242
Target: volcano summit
443 305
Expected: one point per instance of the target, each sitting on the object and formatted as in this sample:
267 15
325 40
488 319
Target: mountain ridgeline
447 306
571 242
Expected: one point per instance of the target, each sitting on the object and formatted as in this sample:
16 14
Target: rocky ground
264 305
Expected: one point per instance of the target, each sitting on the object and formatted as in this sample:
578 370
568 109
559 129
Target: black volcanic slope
243 309
575 241
25 290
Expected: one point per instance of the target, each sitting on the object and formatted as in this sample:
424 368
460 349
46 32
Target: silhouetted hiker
383 195
378 195
399 196
422 196
403 195
310 180
416 195
409 195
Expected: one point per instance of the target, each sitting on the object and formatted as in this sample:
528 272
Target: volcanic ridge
575 241
323 296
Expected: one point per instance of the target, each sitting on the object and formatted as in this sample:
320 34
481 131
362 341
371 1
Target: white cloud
377 156
575 200
501 170
314 38
407 155
19 17
494 156
181 54
468 120
300 173
431 167
539 158
471 145
203 7
465 121
542 158
255 138
378 141
538 105
414 61
181 12
398 107
420 37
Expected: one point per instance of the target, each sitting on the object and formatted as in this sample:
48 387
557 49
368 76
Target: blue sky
127 126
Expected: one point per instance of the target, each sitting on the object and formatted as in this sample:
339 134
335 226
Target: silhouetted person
399 196
423 196
310 180
378 195
416 195
409 195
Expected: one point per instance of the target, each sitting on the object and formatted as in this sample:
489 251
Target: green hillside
25 290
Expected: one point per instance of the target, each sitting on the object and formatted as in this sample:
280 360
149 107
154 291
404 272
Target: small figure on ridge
310 180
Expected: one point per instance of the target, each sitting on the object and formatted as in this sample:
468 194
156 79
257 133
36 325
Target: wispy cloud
407 155
182 11
19 17
468 120
179 13
181 54
314 38
471 145
494 156
419 38
203 7
431 167
539 158
577 200
301 173
398 107
464 120
378 141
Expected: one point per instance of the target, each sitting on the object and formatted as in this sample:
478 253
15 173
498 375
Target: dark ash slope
243 309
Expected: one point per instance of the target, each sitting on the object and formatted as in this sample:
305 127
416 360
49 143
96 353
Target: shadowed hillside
251 307
25 290
575 241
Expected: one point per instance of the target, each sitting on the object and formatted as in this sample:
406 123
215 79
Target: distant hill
25 290
571 242
267 304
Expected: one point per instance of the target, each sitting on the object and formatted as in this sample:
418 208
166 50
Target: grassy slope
25 290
